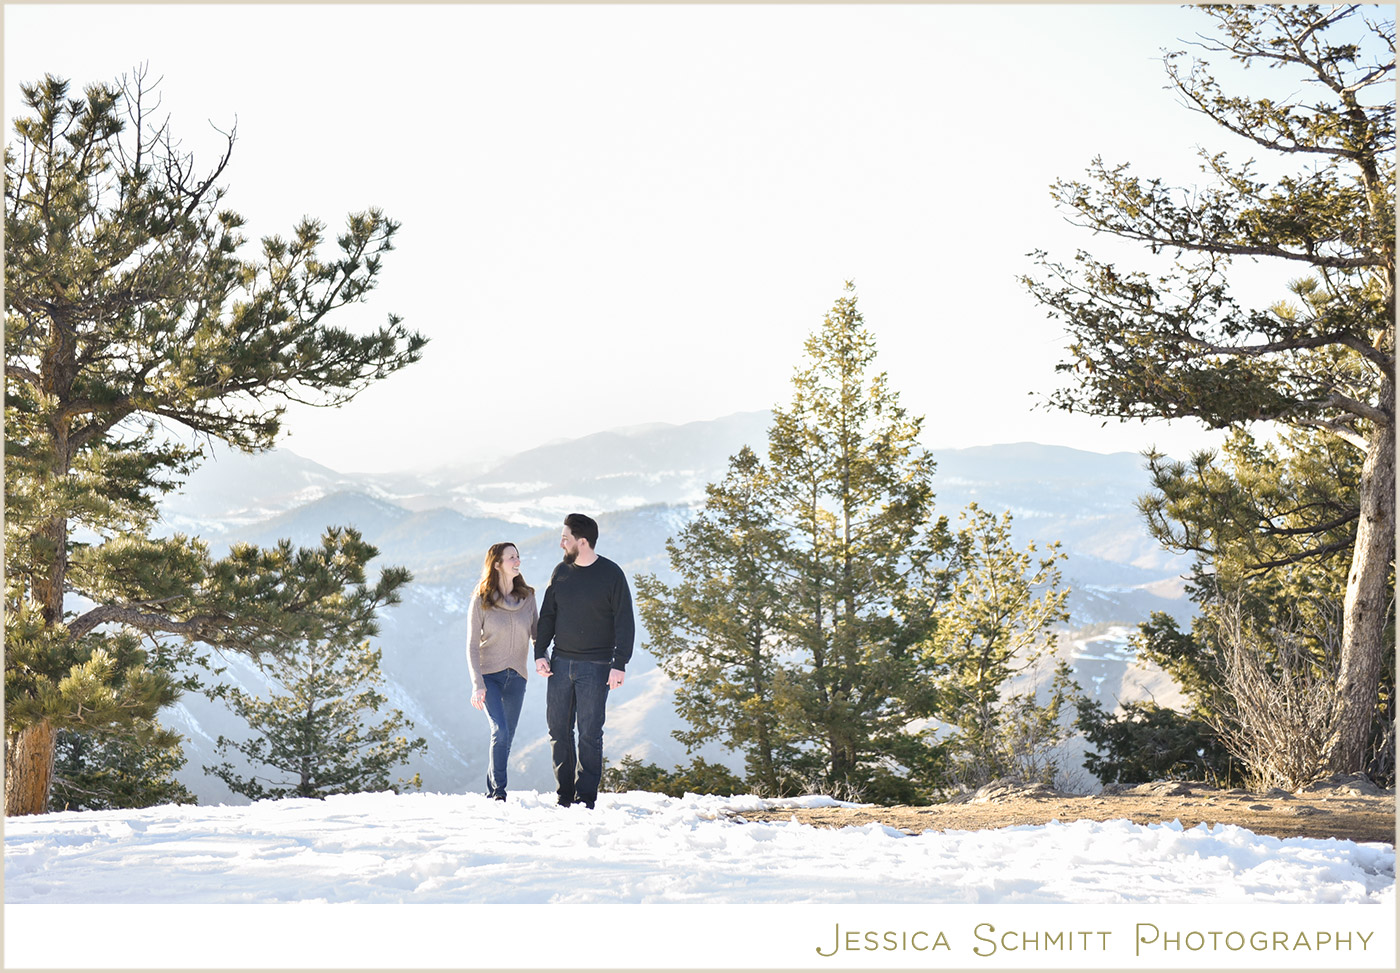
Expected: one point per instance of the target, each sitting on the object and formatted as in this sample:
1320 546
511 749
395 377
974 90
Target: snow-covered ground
647 848
434 881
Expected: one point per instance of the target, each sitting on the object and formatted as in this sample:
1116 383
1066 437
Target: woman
501 626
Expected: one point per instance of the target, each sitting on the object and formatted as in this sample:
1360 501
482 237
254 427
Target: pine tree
1174 342
313 735
1035 725
96 772
804 583
824 613
715 631
852 489
1145 741
130 311
1272 526
995 623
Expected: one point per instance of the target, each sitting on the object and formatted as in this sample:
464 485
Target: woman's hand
479 699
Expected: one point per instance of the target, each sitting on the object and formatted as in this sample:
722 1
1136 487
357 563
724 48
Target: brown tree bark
29 754
29 759
1367 597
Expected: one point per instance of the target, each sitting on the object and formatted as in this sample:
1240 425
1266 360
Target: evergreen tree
130 310
1146 742
313 735
852 490
1174 342
1272 527
824 613
129 763
98 771
716 631
995 623
1034 726
698 777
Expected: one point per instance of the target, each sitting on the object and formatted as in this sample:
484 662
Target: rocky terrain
1346 807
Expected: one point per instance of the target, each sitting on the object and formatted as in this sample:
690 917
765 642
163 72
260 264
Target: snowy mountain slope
232 488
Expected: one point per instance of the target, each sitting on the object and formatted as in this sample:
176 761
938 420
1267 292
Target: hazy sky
625 214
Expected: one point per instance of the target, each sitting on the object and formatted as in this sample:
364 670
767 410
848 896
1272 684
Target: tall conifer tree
1175 342
807 580
130 306
807 628
716 630
853 489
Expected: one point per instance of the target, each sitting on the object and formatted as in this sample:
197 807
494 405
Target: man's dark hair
583 527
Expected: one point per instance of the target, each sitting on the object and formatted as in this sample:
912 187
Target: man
587 613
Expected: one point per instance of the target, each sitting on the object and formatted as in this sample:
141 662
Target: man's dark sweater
587 612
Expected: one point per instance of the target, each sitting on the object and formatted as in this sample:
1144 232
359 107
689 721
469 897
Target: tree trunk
766 772
1367 598
29 769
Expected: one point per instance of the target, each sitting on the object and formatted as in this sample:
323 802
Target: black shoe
565 801
499 797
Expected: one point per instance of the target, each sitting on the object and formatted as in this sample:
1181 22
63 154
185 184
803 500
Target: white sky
625 214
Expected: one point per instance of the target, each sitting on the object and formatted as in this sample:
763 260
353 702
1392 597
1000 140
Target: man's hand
479 699
615 677
542 667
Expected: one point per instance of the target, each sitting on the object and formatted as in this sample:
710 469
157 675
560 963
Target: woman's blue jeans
505 692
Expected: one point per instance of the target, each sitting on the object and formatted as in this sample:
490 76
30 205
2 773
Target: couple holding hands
587 615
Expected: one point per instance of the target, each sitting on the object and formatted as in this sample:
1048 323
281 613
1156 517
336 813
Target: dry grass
1326 812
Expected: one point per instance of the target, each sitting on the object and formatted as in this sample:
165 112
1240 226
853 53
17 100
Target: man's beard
569 556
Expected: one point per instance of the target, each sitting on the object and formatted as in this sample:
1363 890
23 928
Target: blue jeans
505 692
577 692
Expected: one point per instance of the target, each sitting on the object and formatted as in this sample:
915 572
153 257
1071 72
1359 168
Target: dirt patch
1351 809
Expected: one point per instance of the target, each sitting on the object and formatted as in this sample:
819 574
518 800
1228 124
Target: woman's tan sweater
499 637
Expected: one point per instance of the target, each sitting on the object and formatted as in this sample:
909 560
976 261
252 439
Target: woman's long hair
488 589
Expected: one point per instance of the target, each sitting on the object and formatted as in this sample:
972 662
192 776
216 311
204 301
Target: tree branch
1341 521
1253 351
1230 249
1316 552
1366 350
196 627
1363 410
1344 433
22 374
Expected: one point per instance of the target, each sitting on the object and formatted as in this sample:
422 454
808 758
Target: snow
647 848
448 598
451 881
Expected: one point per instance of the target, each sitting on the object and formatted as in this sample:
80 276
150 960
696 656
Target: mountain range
642 483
